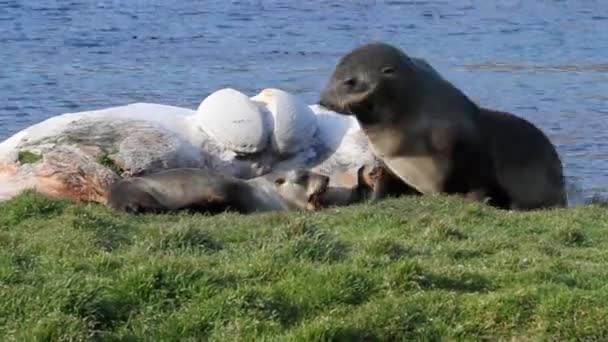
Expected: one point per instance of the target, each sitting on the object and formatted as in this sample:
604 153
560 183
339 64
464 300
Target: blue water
544 60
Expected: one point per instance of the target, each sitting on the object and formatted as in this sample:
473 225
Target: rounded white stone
292 121
234 120
333 127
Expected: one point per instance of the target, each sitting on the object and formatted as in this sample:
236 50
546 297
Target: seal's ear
279 181
298 176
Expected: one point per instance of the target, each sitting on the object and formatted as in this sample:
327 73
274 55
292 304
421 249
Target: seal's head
302 187
370 81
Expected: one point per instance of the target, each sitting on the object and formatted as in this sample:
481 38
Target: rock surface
292 122
79 155
234 120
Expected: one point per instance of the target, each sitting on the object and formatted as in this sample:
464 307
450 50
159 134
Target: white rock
293 123
170 118
234 120
346 145
332 126
140 137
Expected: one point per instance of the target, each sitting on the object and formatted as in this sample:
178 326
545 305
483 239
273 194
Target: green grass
428 268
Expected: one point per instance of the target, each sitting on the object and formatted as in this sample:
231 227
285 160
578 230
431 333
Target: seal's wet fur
435 139
200 190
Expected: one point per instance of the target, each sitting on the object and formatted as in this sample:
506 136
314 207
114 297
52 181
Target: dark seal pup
384 183
360 192
201 190
436 139
374 182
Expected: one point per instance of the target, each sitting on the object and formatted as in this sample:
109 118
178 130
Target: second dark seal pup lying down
435 139
360 192
373 182
205 191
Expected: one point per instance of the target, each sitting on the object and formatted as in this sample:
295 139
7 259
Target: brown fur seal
206 191
436 139
373 182
361 191
384 183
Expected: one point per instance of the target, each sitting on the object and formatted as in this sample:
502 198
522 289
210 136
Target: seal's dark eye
388 70
350 82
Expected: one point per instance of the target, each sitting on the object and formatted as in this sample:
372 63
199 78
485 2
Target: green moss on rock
106 161
27 157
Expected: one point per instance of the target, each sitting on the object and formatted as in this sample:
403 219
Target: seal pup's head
346 194
302 188
370 81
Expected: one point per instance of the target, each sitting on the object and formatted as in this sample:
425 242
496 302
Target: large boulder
79 155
